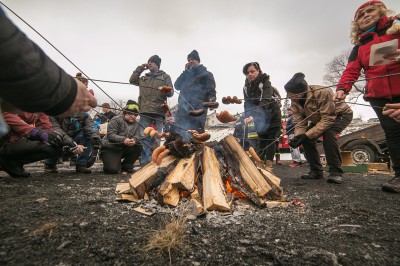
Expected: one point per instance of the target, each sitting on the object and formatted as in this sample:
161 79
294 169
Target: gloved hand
39 135
298 140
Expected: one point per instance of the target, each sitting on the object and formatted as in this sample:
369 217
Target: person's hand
188 66
298 140
392 110
339 95
145 66
393 56
79 149
129 142
84 101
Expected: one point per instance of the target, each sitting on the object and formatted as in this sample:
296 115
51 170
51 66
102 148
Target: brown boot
82 169
268 165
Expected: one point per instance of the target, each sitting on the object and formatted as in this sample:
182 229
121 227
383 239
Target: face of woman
368 17
252 73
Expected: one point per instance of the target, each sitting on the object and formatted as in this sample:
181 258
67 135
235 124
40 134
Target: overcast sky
109 39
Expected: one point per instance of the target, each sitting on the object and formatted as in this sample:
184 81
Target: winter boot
393 185
268 165
313 175
82 169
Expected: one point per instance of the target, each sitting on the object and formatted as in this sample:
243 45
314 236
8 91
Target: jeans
391 129
331 147
150 144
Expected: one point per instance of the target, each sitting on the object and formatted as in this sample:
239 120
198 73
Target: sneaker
82 169
295 164
335 179
393 185
48 168
313 175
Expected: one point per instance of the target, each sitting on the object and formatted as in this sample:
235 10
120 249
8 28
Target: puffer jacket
119 129
385 87
196 86
21 124
320 109
150 97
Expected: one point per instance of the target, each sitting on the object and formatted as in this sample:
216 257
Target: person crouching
122 141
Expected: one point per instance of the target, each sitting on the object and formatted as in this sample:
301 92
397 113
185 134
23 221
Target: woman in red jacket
370 27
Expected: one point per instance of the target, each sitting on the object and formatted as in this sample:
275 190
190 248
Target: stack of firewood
202 178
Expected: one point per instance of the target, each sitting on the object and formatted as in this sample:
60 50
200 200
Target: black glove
39 135
298 140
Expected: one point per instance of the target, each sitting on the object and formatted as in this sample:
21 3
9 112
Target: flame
235 192
184 193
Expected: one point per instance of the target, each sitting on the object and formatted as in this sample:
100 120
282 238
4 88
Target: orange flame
184 193
235 192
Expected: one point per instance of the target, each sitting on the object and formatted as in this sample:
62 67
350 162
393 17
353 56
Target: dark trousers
267 144
112 158
26 151
331 147
391 129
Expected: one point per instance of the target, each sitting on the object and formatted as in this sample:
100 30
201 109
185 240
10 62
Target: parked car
366 145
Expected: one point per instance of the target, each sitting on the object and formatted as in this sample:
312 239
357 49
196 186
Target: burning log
241 164
214 197
150 176
181 177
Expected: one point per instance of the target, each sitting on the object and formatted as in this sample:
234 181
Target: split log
123 188
196 198
183 174
274 181
243 166
214 197
151 175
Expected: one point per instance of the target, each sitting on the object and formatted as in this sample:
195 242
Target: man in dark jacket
30 139
151 97
122 141
40 85
196 85
81 130
315 115
107 114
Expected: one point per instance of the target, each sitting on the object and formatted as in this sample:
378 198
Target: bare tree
334 70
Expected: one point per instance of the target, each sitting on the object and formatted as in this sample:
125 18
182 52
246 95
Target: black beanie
156 60
194 55
297 84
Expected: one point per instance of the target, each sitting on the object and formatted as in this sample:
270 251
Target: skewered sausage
165 107
226 117
198 112
202 137
156 152
153 133
165 89
212 105
161 156
193 131
147 130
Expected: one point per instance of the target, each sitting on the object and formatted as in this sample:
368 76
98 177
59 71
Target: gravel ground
73 219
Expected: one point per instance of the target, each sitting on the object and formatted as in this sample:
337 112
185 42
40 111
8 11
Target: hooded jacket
72 126
196 86
150 97
319 109
383 87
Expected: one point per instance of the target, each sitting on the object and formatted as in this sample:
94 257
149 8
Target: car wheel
362 154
